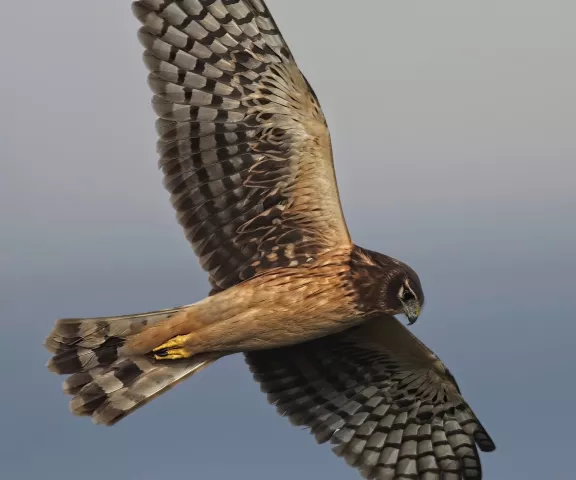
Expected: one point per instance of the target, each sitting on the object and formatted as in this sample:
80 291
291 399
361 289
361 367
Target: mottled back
244 145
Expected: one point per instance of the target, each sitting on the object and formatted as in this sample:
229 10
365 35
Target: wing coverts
243 144
390 413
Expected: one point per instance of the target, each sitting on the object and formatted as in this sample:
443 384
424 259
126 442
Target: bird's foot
174 349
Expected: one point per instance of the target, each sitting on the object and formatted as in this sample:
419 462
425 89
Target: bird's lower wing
384 399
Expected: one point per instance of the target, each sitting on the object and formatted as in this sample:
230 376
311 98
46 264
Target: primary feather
243 143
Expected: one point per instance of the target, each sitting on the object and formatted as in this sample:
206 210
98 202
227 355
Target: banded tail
104 383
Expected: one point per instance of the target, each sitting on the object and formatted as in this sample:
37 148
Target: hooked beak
411 310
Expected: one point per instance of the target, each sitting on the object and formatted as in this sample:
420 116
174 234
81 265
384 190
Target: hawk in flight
246 156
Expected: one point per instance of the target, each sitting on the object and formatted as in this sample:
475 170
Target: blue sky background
454 135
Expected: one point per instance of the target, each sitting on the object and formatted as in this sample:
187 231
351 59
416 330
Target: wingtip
484 442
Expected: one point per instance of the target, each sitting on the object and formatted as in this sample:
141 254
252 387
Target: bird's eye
407 294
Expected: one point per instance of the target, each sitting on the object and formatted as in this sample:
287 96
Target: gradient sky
454 130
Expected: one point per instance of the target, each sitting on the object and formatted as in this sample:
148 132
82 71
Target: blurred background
453 126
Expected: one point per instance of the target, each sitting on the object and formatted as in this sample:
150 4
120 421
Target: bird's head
402 293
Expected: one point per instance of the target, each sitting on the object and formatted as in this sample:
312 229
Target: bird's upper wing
244 145
388 403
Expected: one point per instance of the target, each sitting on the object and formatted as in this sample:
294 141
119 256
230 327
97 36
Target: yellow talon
174 349
176 354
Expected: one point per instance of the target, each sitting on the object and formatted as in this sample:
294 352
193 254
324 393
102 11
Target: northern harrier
246 156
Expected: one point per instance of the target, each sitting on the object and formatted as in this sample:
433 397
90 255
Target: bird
246 157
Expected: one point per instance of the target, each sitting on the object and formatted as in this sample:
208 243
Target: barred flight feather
391 410
104 383
243 143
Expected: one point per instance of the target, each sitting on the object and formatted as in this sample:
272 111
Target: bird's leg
177 348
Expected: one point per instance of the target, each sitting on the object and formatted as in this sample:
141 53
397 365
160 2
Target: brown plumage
246 156
386 402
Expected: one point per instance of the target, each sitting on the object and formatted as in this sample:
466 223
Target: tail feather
90 333
103 383
128 384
